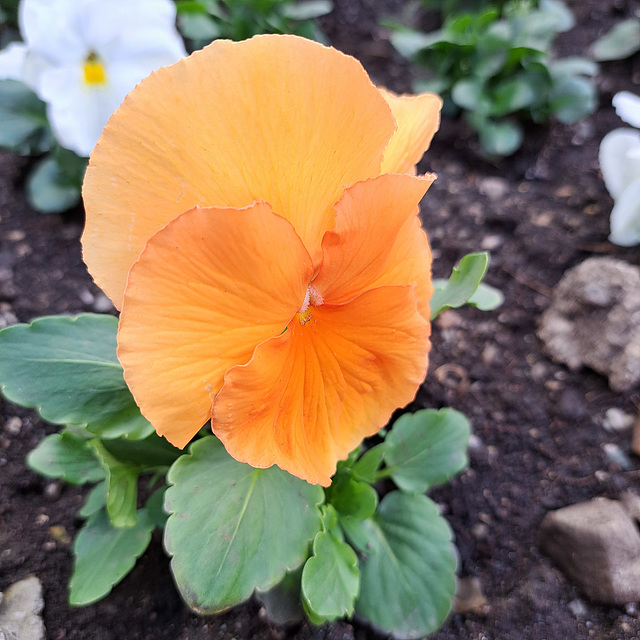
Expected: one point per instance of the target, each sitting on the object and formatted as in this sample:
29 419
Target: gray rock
594 320
597 545
20 611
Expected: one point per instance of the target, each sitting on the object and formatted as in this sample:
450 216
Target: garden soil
538 439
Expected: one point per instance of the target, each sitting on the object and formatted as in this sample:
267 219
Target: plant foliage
494 66
229 528
202 21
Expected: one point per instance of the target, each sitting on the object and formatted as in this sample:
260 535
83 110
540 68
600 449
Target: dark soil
539 440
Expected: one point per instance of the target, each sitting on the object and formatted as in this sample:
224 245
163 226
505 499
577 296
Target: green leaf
64 455
122 487
470 94
282 602
330 579
498 138
426 448
572 98
104 555
67 369
574 65
245 519
155 509
561 16
367 466
198 27
307 10
49 190
407 574
513 94
621 41
409 43
24 127
350 497
461 285
96 500
486 298
153 451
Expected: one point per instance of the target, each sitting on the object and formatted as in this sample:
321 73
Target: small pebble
13 425
494 188
102 304
491 243
52 490
617 420
616 455
578 608
480 531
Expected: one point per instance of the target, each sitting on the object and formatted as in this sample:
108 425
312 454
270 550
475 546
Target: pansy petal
368 218
627 106
619 161
207 289
12 60
418 119
409 262
625 217
308 397
277 118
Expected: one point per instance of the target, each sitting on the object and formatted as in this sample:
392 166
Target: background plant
495 67
372 543
202 21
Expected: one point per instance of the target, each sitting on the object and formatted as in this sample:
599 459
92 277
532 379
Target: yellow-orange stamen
94 71
312 298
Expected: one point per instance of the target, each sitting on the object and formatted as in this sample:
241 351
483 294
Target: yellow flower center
311 299
94 72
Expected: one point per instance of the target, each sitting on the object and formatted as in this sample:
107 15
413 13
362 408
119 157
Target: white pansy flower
620 164
82 57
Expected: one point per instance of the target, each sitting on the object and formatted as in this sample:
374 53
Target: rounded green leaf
426 448
499 138
64 455
96 499
233 528
461 285
104 555
619 42
49 190
407 574
351 497
572 98
67 369
331 578
23 120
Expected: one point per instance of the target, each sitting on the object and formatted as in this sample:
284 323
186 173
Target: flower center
94 72
311 299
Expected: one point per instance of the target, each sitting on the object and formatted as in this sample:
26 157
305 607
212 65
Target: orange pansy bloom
251 211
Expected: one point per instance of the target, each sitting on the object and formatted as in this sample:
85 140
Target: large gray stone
597 545
20 609
594 320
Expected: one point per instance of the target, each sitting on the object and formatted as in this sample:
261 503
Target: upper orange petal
368 219
308 397
418 119
274 118
207 289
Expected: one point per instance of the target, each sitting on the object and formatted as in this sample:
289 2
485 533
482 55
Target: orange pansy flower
249 212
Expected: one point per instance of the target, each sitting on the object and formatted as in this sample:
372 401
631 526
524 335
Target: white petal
625 217
619 159
77 112
627 106
52 29
12 61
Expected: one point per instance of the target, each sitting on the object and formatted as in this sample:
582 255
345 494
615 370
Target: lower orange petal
207 289
308 397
